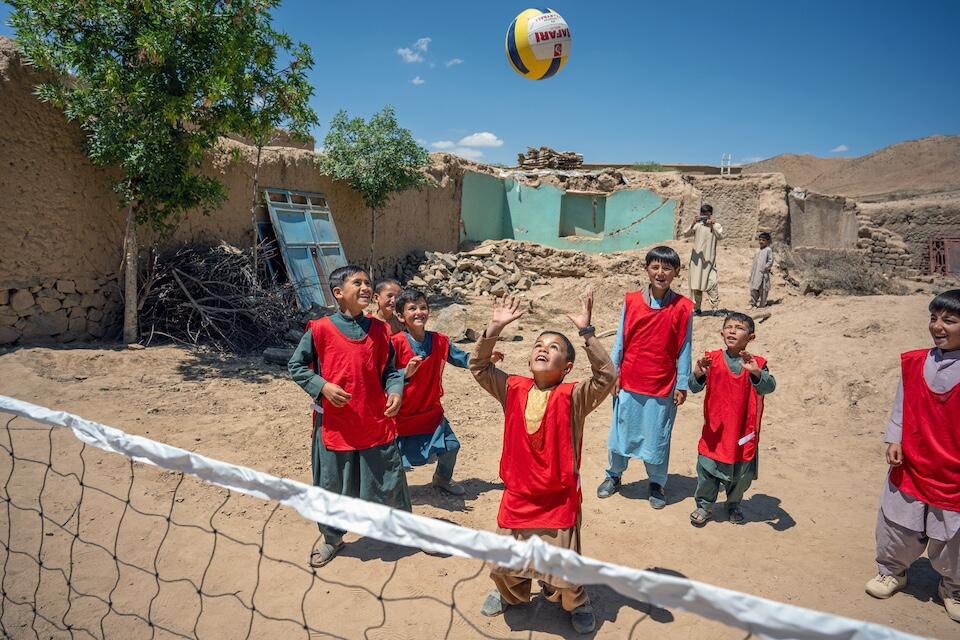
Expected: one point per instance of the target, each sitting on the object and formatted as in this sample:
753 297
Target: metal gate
309 242
945 256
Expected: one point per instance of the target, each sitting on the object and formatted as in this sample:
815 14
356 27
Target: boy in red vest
424 432
385 294
736 382
920 503
540 462
652 356
345 362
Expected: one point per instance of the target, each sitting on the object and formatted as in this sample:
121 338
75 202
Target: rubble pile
547 158
493 268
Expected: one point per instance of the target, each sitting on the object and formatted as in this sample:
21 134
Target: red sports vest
357 366
732 410
652 340
421 411
931 439
541 482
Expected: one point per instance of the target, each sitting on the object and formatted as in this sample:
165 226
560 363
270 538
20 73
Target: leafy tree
154 85
376 158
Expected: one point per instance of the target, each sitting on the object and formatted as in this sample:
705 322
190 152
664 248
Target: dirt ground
808 539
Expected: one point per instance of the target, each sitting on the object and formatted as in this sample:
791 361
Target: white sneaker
951 601
882 586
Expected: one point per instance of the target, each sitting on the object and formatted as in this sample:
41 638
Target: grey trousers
898 548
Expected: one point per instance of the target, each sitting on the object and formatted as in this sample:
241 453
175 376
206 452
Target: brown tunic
587 396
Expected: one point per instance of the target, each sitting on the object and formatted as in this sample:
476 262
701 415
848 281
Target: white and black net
107 535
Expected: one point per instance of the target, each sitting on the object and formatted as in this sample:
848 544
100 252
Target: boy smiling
920 503
345 362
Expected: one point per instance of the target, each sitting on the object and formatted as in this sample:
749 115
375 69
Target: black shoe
657 499
608 487
583 620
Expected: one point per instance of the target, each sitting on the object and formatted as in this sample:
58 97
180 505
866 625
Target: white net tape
758 616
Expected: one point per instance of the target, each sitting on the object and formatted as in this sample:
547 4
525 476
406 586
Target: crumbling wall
62 234
822 221
744 204
917 221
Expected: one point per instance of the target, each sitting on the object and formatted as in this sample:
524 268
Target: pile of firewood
547 158
209 296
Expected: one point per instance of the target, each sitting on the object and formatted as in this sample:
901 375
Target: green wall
495 209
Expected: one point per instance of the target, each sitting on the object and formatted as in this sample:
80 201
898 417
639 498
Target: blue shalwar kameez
642 425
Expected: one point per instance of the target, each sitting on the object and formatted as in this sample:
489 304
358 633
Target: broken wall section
744 204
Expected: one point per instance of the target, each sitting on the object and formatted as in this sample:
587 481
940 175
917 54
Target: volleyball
538 43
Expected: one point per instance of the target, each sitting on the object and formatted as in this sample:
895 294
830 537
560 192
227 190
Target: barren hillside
915 167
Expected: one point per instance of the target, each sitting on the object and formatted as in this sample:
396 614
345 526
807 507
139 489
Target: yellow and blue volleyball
538 43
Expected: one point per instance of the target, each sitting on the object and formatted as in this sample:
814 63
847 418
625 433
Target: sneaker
582 619
657 499
323 553
951 601
883 586
448 486
493 605
608 487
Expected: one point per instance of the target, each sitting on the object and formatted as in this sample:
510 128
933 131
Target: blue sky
660 81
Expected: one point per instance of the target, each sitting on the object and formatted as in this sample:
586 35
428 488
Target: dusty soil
808 539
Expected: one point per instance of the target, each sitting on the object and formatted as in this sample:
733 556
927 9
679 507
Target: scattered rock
135 346
21 300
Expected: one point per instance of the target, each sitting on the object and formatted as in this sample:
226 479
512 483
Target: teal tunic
374 474
734 478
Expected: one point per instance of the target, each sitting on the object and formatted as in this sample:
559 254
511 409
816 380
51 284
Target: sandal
323 553
735 515
700 516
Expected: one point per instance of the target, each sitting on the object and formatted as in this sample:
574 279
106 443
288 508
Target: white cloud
454 62
481 139
467 152
409 55
442 144
840 149
418 80
421 44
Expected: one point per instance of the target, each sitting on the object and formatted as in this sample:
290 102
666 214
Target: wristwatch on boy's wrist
588 330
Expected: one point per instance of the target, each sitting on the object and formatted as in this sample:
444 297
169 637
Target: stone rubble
493 268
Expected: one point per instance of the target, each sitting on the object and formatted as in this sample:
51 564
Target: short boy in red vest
540 462
736 382
385 294
345 362
652 355
424 432
920 503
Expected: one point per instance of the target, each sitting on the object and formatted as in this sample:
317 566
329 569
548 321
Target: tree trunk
130 315
253 210
373 241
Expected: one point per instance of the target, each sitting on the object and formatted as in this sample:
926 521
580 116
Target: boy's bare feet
700 516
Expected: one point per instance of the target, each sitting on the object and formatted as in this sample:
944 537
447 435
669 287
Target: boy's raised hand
582 319
505 311
750 364
702 366
496 356
393 405
335 394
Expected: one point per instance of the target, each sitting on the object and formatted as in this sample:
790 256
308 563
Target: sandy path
808 539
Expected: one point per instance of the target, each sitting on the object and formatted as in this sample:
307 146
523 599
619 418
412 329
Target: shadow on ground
547 617
678 489
428 495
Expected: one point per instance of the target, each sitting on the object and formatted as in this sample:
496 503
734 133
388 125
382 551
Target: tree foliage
376 158
155 84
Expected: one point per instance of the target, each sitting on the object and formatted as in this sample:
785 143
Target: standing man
703 261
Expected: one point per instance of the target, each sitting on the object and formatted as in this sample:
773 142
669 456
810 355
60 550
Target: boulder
9 335
66 286
48 304
46 324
